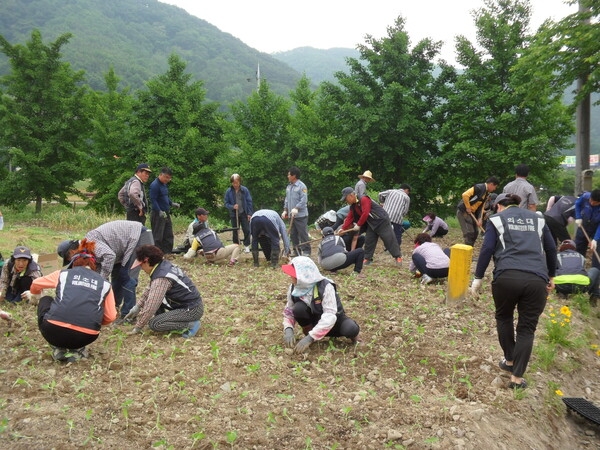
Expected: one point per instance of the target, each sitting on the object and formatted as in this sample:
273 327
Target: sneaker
399 261
193 328
521 385
367 262
426 279
247 249
58 353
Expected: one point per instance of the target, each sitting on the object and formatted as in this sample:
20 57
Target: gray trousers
386 233
299 234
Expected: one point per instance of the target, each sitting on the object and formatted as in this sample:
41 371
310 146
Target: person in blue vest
524 255
587 218
314 303
571 276
84 303
171 301
333 256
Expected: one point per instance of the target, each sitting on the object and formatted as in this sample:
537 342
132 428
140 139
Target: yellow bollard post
459 273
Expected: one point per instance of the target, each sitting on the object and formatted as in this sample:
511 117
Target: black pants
527 293
241 220
558 230
344 325
133 215
162 231
263 231
60 336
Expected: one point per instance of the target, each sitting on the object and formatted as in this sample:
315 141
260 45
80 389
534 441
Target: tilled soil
425 376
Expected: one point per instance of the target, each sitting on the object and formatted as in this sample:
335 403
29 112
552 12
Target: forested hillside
136 38
318 65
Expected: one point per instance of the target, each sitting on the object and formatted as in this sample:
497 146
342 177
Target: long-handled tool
589 242
477 223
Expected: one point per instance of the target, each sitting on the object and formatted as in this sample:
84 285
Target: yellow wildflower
565 311
559 392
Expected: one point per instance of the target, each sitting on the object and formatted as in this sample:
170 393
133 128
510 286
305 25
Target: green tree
43 122
487 125
382 110
108 166
172 125
260 136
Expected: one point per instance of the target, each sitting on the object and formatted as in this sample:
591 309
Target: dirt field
425 376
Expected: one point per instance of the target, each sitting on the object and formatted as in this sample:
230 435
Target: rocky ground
425 376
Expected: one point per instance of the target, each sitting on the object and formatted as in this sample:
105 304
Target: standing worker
470 208
133 196
523 188
295 207
160 217
239 203
361 184
524 269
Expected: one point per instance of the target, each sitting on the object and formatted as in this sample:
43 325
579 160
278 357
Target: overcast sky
279 25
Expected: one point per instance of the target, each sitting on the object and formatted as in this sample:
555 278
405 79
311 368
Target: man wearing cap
333 256
133 196
115 245
267 228
365 213
470 208
361 184
212 247
396 202
295 207
160 217
18 274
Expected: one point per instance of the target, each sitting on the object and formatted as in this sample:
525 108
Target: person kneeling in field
84 302
313 302
171 301
212 247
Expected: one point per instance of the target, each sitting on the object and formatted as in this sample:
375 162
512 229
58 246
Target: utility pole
583 174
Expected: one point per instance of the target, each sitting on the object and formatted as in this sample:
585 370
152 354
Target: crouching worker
18 274
571 276
84 302
212 247
429 259
171 301
313 302
332 253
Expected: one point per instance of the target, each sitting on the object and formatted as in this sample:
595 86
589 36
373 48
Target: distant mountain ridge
318 65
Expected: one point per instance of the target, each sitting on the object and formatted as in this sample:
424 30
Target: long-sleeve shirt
328 318
159 196
589 214
296 196
51 281
434 225
151 300
435 258
115 243
396 203
277 222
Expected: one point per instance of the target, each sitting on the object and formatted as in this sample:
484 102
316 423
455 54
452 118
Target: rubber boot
255 257
274 258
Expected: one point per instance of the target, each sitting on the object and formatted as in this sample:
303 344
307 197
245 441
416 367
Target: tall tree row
396 111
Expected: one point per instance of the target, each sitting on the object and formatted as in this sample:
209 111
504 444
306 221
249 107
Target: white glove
476 286
175 205
578 222
294 211
135 330
284 215
5 315
132 314
593 244
34 299
162 214
356 228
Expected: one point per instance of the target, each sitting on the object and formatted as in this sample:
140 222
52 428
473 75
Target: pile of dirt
425 376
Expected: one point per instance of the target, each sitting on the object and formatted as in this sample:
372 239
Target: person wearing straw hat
361 184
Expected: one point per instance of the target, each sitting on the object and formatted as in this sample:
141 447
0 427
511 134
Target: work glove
7 316
288 337
135 330
284 215
132 314
175 205
303 345
356 228
476 286
162 214
578 222
593 244
34 299
294 211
